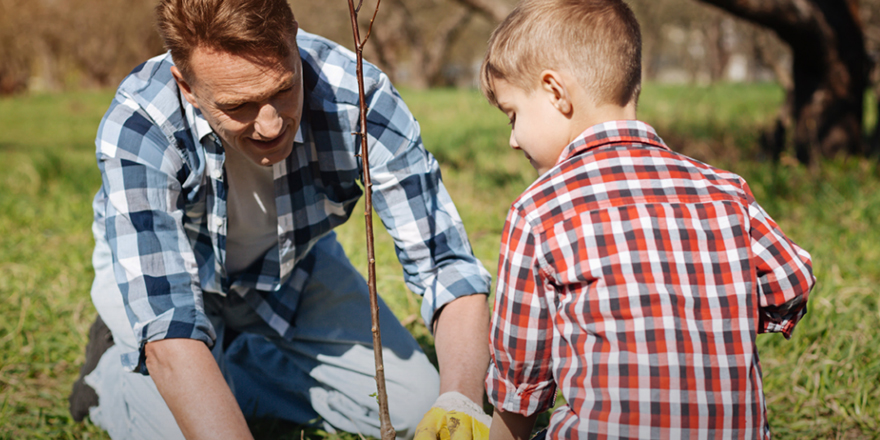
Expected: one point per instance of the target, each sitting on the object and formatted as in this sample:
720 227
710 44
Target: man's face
255 107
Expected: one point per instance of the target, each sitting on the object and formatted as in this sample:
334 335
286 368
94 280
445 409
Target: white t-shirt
250 204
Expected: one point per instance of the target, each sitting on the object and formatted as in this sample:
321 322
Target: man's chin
269 158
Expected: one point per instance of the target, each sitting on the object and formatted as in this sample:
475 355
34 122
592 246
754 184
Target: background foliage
824 383
71 44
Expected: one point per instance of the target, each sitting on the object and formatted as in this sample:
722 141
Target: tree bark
829 72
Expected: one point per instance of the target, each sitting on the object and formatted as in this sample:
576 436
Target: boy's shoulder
618 164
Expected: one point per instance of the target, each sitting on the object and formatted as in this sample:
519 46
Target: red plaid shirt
636 280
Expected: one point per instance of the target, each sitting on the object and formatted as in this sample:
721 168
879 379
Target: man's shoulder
146 119
149 78
150 91
320 50
329 70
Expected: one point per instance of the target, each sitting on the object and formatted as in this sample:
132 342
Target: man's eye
233 109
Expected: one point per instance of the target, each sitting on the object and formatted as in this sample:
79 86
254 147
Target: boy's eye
512 121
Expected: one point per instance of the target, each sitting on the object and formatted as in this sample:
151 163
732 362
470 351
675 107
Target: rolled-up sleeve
416 209
520 378
153 261
784 273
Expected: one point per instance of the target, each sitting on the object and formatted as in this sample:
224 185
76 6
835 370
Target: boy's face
538 128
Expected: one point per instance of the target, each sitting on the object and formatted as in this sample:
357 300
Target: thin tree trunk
385 427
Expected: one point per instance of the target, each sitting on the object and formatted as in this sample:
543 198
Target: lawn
823 383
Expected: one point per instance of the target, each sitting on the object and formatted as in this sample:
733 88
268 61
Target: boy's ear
184 86
554 85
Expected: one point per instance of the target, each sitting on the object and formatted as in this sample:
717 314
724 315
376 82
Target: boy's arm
520 378
509 426
784 271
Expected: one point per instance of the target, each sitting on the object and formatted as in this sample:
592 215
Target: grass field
824 383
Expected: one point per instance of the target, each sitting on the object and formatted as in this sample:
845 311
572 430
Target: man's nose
269 123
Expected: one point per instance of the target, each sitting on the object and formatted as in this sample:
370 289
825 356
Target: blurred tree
421 30
829 72
420 43
495 10
16 42
118 35
870 13
424 32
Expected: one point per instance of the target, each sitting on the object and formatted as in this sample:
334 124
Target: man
226 164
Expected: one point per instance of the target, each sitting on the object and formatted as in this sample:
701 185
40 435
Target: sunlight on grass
823 383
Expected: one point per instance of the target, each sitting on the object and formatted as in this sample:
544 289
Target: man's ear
554 85
184 86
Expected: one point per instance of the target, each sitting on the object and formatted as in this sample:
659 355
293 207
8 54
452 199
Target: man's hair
255 28
596 41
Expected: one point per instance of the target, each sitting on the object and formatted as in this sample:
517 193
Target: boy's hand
454 417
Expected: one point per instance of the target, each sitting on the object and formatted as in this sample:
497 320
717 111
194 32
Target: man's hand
461 337
454 417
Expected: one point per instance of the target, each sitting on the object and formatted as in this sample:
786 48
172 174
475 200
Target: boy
632 278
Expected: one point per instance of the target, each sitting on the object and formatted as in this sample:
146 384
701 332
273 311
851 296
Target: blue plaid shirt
162 205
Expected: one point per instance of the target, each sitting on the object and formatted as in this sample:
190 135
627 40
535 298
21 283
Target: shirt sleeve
410 198
153 261
520 378
784 272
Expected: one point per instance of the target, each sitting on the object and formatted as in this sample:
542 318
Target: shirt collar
612 132
201 128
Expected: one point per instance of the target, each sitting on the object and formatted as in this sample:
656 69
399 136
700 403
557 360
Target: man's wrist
455 401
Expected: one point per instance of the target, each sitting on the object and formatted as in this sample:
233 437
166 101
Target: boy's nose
512 141
269 123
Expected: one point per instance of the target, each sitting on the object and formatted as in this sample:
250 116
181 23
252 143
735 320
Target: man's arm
190 381
510 426
461 333
461 338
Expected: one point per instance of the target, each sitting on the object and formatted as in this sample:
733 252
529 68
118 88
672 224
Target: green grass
824 383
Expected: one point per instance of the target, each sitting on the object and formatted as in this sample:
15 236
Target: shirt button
218 221
217 174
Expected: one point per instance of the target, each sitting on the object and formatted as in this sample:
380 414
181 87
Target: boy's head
596 41
584 56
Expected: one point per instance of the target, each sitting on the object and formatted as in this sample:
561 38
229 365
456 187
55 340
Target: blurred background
62 44
782 92
808 47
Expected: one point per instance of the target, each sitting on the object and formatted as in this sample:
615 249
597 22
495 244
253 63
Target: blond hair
596 41
257 28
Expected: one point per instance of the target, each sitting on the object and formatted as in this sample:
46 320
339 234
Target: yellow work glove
454 417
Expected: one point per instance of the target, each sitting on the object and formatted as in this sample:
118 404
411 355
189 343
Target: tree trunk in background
426 52
495 10
830 69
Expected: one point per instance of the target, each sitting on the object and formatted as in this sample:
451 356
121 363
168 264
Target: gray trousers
324 375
